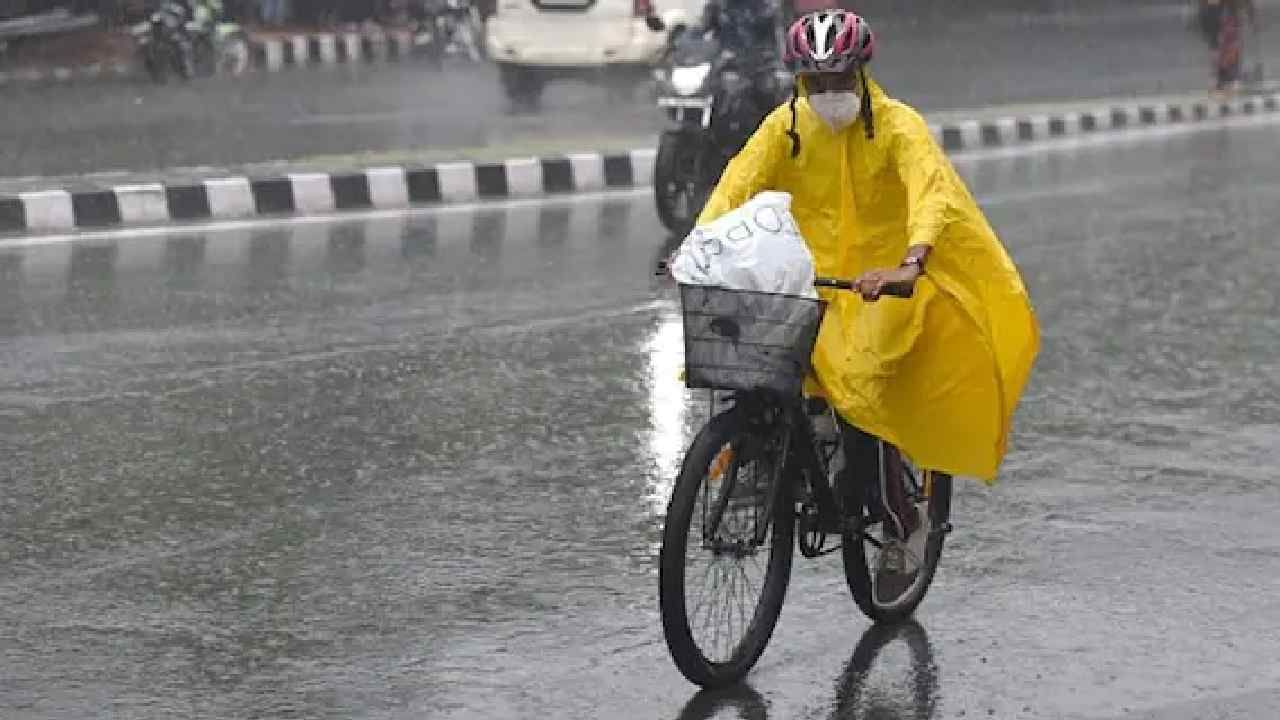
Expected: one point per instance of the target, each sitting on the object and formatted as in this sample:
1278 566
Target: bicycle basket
748 340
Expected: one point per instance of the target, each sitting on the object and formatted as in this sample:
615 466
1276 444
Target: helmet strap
868 118
791 132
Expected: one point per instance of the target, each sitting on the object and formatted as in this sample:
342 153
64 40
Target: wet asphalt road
415 467
954 59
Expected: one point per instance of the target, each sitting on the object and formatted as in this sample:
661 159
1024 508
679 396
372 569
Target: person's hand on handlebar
898 282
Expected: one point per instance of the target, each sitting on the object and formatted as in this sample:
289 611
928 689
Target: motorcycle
448 28
177 39
163 44
715 100
220 47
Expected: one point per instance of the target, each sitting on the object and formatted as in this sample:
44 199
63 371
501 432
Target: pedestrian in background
1222 23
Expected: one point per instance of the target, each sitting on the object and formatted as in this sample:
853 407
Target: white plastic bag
756 247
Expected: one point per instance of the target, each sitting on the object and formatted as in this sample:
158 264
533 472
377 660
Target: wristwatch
913 260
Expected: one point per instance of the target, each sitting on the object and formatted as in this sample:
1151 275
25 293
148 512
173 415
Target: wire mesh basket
747 340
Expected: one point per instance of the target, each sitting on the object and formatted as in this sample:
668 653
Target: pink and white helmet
829 41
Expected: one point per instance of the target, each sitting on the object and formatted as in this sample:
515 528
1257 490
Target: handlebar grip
897 291
837 283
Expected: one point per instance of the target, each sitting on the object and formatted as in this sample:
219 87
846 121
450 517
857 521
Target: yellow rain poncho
938 375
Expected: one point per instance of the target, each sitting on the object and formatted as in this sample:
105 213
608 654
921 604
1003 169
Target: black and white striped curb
331 49
1015 130
321 193
271 54
386 188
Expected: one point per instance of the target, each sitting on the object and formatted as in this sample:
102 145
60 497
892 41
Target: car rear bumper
506 44
627 71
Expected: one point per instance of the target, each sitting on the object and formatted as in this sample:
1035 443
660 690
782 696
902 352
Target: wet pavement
415 466
952 59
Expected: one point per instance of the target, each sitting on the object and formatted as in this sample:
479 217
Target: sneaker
918 541
900 561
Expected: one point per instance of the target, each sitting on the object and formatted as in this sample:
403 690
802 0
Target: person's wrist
911 271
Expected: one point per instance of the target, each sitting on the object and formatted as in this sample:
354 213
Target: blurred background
444 79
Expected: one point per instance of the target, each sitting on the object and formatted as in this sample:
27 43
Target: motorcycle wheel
150 65
203 57
678 192
523 87
427 45
467 39
158 60
234 58
184 61
477 28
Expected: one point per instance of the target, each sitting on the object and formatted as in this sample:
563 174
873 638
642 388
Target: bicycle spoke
716 576
705 611
718 611
701 594
716 622
725 585
733 634
744 598
752 590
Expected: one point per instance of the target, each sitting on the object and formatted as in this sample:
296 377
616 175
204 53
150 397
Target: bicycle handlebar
836 283
822 282
846 284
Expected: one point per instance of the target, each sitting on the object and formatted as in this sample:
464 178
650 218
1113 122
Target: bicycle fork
778 490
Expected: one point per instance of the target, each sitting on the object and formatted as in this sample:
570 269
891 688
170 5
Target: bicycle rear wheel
934 496
722 583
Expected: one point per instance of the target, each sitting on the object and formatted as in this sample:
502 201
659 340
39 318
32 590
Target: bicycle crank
813 538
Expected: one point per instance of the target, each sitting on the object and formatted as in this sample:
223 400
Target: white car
534 41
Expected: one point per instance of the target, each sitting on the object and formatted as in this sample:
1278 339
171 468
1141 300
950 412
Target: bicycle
761 472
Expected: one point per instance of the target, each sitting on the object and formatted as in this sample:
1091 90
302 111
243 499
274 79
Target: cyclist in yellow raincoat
876 199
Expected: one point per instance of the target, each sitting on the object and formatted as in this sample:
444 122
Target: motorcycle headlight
690 79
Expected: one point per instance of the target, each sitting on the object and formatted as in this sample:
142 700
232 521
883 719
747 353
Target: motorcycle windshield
694 49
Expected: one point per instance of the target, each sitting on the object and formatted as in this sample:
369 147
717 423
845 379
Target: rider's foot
900 516
900 561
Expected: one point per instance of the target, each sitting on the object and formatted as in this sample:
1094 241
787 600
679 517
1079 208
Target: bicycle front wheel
726 551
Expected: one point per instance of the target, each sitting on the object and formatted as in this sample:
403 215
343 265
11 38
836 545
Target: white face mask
839 110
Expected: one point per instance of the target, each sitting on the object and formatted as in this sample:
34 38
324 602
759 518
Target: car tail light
642 8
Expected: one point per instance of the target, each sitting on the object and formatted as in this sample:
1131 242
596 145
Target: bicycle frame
801 461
